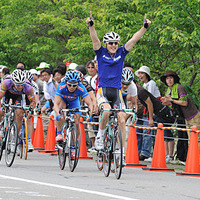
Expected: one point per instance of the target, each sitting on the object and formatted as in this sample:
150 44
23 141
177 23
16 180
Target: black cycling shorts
110 95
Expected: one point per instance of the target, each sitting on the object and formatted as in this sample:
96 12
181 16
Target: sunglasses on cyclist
72 85
19 85
111 43
126 83
20 66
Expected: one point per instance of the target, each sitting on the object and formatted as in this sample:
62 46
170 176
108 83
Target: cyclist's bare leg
60 123
1 115
18 118
29 127
106 114
77 121
122 126
102 126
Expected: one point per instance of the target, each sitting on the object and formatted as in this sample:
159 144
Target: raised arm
95 40
131 43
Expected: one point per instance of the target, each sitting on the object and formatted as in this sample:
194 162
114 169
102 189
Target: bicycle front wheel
1 147
62 149
2 143
117 153
99 161
73 147
11 144
24 141
107 154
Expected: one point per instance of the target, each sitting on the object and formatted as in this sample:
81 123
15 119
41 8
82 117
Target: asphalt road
40 177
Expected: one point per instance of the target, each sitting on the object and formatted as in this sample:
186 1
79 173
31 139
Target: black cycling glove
91 23
146 25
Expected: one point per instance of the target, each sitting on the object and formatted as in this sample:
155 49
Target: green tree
55 30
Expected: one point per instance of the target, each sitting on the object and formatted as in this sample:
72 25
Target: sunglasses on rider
126 83
72 85
111 43
19 85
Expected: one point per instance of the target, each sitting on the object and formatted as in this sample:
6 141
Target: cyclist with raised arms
110 64
68 93
13 88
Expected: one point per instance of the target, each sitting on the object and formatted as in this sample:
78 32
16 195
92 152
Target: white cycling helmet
29 75
18 76
111 36
127 76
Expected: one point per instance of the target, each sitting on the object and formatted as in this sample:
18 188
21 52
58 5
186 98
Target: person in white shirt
92 80
144 141
49 87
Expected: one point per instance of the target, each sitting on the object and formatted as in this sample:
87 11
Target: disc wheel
117 153
73 144
107 155
24 141
62 154
11 144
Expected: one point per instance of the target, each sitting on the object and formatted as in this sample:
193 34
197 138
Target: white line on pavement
68 188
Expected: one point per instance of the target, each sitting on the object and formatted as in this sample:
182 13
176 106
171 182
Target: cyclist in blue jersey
68 93
110 61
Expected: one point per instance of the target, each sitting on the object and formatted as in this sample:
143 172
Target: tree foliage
55 31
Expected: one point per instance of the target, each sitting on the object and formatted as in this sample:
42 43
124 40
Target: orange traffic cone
83 148
192 167
38 142
33 131
51 135
132 157
158 160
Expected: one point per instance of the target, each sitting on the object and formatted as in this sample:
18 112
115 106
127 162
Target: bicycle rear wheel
107 154
62 149
117 153
73 147
24 141
11 144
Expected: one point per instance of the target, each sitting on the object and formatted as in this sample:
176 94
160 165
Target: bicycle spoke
62 150
99 161
117 153
73 148
107 155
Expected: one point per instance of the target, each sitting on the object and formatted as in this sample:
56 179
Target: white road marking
68 188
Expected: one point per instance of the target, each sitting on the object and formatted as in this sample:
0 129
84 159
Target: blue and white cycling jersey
71 98
110 68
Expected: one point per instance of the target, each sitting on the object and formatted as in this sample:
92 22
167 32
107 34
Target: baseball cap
43 65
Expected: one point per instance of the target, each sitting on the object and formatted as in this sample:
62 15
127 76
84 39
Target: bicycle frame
113 148
71 143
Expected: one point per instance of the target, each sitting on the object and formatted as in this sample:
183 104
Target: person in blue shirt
110 61
68 93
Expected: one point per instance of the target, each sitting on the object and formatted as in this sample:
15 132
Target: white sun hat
34 71
72 66
144 69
